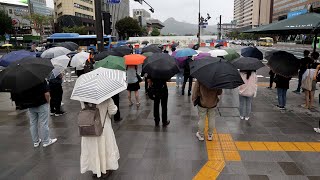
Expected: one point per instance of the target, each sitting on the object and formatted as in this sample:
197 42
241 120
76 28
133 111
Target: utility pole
98 21
220 28
199 21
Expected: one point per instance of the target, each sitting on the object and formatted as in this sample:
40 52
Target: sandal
138 104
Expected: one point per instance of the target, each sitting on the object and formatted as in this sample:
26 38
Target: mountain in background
173 26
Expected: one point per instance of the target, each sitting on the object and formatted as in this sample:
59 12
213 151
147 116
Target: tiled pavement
241 150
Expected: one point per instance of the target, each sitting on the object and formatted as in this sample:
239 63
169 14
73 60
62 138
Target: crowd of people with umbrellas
103 76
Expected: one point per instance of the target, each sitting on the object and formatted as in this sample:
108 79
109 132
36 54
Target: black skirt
133 86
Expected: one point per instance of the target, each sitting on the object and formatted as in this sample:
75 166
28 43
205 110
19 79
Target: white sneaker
210 137
51 141
247 118
317 130
37 143
200 137
241 117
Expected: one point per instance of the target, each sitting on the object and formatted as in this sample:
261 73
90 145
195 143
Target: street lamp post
199 22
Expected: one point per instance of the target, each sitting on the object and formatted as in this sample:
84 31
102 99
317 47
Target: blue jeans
282 97
179 78
245 105
39 115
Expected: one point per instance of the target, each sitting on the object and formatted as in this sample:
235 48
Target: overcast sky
185 10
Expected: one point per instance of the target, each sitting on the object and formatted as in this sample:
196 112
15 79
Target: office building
39 7
249 14
283 9
226 28
69 13
141 12
117 11
145 20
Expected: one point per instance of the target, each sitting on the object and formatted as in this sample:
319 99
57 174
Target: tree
155 32
128 27
144 31
39 22
5 22
75 29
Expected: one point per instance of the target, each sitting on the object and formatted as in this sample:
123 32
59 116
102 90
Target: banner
112 1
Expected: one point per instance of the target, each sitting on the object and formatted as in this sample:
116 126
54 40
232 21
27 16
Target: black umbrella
145 42
252 52
25 74
268 54
105 54
218 45
121 51
247 63
216 73
160 66
151 48
196 47
69 45
284 63
174 45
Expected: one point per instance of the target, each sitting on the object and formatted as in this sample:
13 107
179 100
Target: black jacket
282 82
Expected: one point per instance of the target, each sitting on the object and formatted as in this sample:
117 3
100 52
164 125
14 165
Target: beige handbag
307 82
89 122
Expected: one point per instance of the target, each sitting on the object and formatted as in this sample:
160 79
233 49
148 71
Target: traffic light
152 10
107 23
139 1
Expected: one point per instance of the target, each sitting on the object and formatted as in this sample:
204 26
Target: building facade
249 14
117 11
141 12
283 9
226 28
39 7
69 13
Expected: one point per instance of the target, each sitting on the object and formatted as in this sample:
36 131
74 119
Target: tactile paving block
288 146
231 156
243 146
215 145
225 137
273 146
228 146
303 146
215 155
216 165
258 146
315 146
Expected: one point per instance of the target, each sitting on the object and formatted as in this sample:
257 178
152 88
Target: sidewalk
241 149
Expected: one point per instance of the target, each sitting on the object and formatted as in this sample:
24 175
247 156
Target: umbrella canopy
55 52
13 56
134 59
175 45
122 50
147 54
25 74
131 42
69 45
252 52
201 55
186 52
302 24
160 66
104 54
216 73
7 45
111 62
62 61
179 59
268 54
247 64
99 85
218 52
79 59
232 54
218 46
145 42
284 63
151 48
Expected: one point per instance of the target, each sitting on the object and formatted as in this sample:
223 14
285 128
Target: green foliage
39 21
155 32
128 27
75 29
5 22
144 31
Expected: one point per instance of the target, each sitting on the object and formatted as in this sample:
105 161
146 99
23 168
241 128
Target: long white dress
99 154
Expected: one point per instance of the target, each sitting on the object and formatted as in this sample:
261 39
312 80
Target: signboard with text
112 1
297 13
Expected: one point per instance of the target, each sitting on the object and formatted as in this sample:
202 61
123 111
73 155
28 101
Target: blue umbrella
186 52
13 56
252 52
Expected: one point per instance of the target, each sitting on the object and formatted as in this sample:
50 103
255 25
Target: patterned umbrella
99 85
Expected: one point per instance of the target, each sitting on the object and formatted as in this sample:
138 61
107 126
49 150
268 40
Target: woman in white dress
101 154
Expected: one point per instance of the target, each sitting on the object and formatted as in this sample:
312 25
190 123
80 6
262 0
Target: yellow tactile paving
288 146
303 146
273 146
215 145
215 155
243 146
258 146
216 165
228 146
231 156
225 137
315 146
209 173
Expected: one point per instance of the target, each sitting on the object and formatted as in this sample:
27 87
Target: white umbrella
218 52
99 85
55 52
62 61
79 60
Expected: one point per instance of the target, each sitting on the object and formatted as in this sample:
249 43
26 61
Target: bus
266 41
85 42
318 43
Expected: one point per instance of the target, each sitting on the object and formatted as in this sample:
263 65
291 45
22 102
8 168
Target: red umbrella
134 59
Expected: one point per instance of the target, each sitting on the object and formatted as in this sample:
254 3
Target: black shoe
182 93
57 114
166 124
156 124
118 120
189 93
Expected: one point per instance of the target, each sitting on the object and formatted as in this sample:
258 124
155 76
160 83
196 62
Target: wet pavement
273 144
